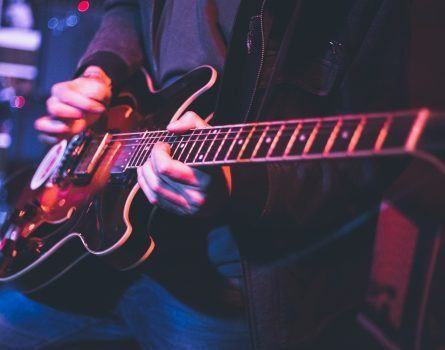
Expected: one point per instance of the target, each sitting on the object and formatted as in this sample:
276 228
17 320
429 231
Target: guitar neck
346 136
305 139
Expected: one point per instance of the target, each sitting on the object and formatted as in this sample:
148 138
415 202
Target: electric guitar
84 198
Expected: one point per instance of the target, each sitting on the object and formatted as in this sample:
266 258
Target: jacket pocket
315 73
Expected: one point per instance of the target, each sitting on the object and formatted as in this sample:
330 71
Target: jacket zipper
263 51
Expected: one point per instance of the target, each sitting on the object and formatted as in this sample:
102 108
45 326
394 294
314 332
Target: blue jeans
146 312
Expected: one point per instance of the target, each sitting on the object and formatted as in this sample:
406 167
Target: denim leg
26 325
160 320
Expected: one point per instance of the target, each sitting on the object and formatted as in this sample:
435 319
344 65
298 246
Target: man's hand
75 104
178 188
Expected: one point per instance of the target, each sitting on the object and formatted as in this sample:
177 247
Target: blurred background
41 42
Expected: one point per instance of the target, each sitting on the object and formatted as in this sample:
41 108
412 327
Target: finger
162 191
181 178
146 189
171 169
95 89
49 140
196 198
51 126
62 110
156 199
76 99
188 121
77 125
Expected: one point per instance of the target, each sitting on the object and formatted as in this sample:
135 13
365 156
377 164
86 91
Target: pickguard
48 165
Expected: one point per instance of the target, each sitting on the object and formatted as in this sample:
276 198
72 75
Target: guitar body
62 216
84 198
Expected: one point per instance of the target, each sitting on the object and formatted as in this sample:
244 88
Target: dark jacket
305 233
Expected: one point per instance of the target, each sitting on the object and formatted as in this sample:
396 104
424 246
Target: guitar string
196 138
345 119
229 144
322 128
205 160
249 127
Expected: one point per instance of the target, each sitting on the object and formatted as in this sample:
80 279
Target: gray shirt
192 33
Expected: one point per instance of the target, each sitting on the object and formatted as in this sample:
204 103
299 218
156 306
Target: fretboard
345 136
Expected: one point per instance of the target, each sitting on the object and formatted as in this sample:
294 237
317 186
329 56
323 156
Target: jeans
145 312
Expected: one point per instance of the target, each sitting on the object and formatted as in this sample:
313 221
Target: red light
19 102
83 6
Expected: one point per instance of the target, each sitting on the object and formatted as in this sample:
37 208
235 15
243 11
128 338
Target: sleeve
117 46
316 198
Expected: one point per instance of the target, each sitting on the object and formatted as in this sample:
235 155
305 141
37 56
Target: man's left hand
181 189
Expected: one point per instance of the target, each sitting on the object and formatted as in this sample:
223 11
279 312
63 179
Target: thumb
188 121
161 147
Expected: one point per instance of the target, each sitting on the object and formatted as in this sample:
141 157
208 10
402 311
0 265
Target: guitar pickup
91 158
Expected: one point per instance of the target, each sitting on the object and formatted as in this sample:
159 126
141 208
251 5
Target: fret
223 144
304 136
138 150
383 135
129 145
293 139
417 129
282 141
186 146
148 147
275 141
241 140
180 146
333 137
357 134
215 144
321 139
399 131
370 134
211 143
196 142
133 151
266 141
174 147
256 139
248 141
260 141
345 134
236 143
311 139
171 140
226 146
202 150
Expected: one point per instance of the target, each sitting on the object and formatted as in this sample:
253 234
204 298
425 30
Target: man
234 269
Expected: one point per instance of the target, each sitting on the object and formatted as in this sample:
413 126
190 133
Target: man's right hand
74 105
